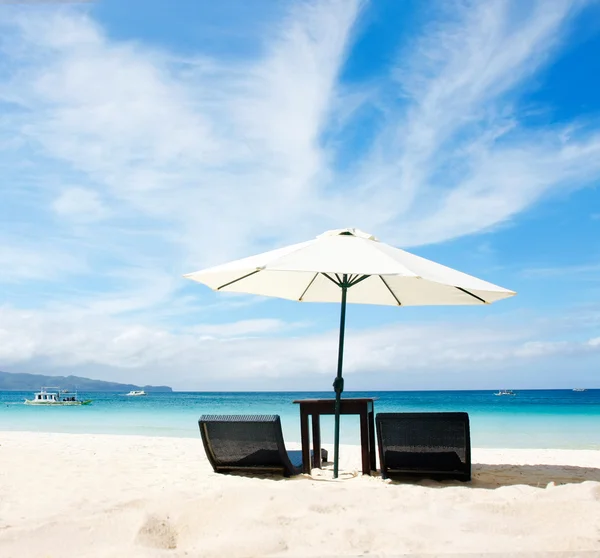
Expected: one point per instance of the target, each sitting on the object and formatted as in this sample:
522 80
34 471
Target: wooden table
350 406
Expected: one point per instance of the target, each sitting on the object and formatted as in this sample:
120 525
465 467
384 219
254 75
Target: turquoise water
531 419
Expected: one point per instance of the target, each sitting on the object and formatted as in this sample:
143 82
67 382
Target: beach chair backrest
240 441
424 442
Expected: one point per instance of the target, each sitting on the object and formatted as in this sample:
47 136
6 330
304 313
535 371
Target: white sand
64 495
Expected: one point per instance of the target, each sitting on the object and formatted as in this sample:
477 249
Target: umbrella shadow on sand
487 476
492 476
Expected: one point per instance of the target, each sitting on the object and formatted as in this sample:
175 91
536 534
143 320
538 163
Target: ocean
531 419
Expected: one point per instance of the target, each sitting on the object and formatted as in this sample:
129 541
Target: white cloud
475 352
245 328
586 271
80 204
216 152
226 156
453 158
545 348
19 262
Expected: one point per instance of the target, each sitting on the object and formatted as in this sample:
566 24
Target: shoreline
483 455
293 444
141 496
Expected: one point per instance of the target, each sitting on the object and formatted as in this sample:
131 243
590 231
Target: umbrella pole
338 384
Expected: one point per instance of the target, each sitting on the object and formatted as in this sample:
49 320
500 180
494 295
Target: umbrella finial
349 232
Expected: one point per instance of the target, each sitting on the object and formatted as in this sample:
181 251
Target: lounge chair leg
316 433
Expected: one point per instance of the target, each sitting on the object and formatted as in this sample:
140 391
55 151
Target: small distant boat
579 389
505 392
136 393
56 398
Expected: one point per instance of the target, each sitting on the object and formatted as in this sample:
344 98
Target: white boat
56 398
136 393
579 389
505 392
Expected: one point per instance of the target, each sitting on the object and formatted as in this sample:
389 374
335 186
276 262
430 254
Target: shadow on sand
495 476
488 476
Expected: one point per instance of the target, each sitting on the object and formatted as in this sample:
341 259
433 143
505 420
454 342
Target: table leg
316 435
305 441
364 443
372 441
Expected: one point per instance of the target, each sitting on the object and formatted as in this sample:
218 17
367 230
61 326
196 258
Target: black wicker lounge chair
435 445
248 443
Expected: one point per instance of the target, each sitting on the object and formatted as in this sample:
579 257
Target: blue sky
139 142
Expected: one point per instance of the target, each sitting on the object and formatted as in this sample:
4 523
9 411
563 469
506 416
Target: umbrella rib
351 280
238 279
473 295
332 279
389 289
308 287
356 280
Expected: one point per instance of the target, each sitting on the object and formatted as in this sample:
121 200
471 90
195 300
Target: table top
332 399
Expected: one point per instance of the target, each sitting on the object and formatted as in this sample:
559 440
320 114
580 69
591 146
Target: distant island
32 382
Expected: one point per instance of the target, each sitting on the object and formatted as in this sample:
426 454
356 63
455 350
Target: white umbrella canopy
304 272
349 265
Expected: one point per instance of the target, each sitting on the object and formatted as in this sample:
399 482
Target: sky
142 140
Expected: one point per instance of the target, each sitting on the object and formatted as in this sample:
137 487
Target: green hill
32 382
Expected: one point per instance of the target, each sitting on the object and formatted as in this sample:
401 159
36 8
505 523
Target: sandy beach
65 495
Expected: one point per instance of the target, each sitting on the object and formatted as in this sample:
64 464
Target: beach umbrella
348 266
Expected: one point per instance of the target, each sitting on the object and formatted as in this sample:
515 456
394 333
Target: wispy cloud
79 204
192 144
246 328
454 158
178 162
572 272
24 263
